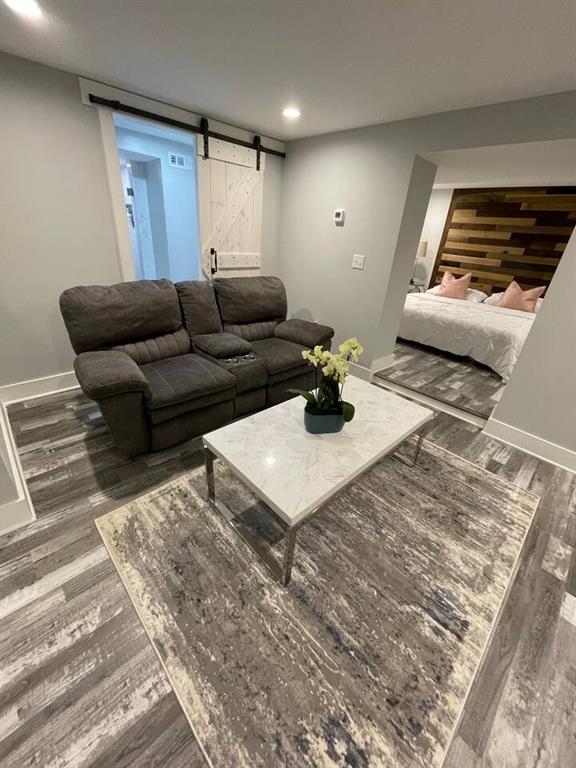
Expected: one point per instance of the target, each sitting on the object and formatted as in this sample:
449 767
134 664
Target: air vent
180 161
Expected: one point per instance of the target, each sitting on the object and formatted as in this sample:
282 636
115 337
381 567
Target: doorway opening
160 187
498 222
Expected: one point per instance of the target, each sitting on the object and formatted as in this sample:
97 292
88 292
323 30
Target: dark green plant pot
322 423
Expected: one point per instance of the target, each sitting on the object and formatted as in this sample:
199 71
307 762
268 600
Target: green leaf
348 411
305 394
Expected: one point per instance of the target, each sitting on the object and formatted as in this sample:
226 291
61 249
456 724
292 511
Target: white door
230 206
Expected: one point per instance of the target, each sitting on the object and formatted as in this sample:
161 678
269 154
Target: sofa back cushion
102 316
199 307
251 307
156 347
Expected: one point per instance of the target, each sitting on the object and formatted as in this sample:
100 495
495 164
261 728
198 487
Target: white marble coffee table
296 473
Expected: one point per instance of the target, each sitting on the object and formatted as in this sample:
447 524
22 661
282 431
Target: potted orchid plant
326 410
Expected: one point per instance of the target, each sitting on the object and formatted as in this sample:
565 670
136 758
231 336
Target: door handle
213 267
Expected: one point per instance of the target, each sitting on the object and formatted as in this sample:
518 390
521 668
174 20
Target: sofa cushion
192 424
157 347
168 412
303 332
249 372
186 377
263 329
199 307
108 373
221 345
99 316
250 299
277 391
282 359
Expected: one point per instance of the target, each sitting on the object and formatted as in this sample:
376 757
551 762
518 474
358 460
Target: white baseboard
18 511
532 444
15 514
360 371
382 363
429 402
24 390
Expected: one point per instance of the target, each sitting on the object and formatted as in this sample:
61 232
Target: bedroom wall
367 171
540 398
506 233
432 230
535 163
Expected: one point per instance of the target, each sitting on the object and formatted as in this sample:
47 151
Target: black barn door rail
202 129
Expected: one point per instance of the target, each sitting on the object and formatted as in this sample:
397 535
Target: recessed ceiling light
291 112
28 8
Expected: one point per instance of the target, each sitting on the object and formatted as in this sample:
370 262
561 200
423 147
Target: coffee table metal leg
209 463
282 571
412 462
289 544
418 446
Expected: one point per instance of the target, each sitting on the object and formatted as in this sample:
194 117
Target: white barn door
230 203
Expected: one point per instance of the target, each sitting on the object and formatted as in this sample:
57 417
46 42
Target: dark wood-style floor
455 381
81 686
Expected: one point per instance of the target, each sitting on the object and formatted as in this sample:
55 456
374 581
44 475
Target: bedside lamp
419 273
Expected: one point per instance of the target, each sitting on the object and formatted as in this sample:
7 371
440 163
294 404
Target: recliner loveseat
170 362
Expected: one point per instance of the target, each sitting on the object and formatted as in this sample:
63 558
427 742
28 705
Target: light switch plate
358 261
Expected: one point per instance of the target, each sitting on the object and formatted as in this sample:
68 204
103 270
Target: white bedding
488 334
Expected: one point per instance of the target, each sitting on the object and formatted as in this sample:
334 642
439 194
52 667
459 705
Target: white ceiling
345 63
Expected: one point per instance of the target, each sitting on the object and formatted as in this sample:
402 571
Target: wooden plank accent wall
502 235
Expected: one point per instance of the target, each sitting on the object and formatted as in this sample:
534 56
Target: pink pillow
515 298
454 287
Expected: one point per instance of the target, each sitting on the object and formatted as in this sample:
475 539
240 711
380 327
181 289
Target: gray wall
419 190
55 214
352 171
56 219
541 396
271 212
368 171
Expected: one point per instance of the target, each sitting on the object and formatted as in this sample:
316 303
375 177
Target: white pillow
475 295
472 295
495 298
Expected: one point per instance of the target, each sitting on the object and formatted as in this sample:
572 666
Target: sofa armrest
222 345
108 373
303 332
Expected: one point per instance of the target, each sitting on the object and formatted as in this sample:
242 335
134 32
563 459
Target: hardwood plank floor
79 682
456 381
81 686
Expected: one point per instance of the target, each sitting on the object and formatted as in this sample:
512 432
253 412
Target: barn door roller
202 129
206 135
258 148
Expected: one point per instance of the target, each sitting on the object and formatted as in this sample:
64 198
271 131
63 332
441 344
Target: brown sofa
169 362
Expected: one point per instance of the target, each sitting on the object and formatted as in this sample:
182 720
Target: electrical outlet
358 261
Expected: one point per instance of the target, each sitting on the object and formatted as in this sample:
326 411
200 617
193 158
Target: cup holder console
232 362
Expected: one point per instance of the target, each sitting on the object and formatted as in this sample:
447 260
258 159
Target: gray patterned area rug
366 658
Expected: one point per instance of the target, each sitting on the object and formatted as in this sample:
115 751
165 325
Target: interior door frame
112 164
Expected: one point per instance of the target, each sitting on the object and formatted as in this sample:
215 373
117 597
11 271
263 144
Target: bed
488 334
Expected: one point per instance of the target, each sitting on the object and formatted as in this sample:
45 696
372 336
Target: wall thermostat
339 216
